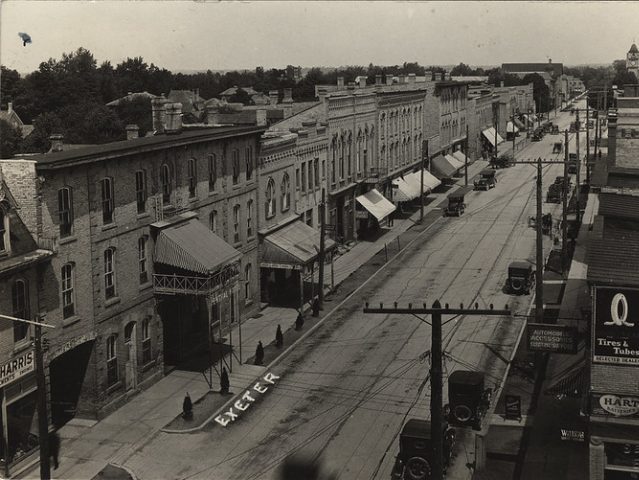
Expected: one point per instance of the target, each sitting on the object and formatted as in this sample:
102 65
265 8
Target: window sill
111 301
212 193
67 240
23 344
193 199
148 366
145 286
237 244
108 226
67 322
143 215
116 386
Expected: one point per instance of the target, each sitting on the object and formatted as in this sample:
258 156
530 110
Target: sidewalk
87 447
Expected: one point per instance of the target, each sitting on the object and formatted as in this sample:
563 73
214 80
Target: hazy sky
226 35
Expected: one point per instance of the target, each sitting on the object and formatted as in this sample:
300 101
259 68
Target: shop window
142 264
112 360
249 218
249 162
109 273
146 341
236 224
4 231
212 172
20 300
107 200
21 417
236 166
140 190
286 192
192 173
68 296
165 182
270 198
247 282
65 211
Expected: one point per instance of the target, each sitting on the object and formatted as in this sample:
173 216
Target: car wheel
417 468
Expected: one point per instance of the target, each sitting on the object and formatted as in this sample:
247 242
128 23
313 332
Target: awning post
301 273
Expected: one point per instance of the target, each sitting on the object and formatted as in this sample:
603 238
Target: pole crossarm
442 311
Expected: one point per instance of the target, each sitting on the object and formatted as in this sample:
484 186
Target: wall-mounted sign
71 344
617 405
17 367
551 338
513 407
572 435
616 326
244 402
361 214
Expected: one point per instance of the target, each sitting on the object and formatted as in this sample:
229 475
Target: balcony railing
216 285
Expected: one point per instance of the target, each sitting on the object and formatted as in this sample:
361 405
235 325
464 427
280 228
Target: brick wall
21 177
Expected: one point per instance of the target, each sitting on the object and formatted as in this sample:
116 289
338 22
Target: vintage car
456 205
538 134
468 398
521 278
503 161
557 147
555 130
554 193
486 180
416 449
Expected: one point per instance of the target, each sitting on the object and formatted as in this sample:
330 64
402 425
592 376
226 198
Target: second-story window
165 182
68 297
286 193
316 171
236 224
213 221
140 190
212 172
107 200
144 274
192 172
4 237
249 219
65 211
303 177
20 301
236 166
270 198
310 175
109 273
249 162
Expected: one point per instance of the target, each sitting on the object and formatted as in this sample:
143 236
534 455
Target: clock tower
632 60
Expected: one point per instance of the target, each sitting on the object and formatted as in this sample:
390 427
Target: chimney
612 137
378 79
260 117
501 84
273 96
10 107
362 81
320 93
389 79
351 85
446 75
340 82
401 78
288 95
549 61
57 141
158 108
173 117
132 131
412 78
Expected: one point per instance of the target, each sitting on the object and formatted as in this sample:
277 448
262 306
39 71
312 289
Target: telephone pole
587 143
421 183
564 201
320 294
539 271
578 179
436 382
466 158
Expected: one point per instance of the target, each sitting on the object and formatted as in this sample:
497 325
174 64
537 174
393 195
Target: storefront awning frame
376 204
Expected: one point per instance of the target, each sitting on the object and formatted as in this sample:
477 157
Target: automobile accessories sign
616 326
552 338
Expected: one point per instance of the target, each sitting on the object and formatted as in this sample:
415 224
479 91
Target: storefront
18 414
373 211
491 140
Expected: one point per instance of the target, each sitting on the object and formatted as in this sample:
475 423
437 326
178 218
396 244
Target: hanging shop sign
617 405
616 326
551 338
17 367
249 397
572 435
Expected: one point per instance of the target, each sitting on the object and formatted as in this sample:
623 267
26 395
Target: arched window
286 192
270 198
67 287
165 182
213 221
192 173
247 282
65 211
249 218
146 341
142 267
109 273
4 232
236 165
112 359
20 300
342 148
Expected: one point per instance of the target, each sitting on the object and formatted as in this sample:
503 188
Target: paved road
345 393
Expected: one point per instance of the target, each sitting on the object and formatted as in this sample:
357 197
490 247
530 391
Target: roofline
132 147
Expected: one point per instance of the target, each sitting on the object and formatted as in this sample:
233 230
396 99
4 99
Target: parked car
456 205
557 147
521 278
486 180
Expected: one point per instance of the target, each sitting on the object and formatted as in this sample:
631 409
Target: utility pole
564 200
466 159
587 143
539 271
513 122
436 382
322 248
578 176
43 418
421 183
496 125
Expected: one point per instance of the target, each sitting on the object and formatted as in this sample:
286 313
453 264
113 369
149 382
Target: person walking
316 307
279 338
299 321
225 384
259 354
54 448
187 407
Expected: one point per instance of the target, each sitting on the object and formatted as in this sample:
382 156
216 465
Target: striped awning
192 247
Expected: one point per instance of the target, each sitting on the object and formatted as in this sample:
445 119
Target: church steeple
632 60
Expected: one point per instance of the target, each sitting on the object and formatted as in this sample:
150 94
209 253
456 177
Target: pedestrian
187 407
279 338
259 354
54 448
299 321
316 307
224 382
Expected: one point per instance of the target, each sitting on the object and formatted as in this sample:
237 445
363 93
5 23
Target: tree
240 96
137 111
541 92
462 70
44 125
10 139
10 84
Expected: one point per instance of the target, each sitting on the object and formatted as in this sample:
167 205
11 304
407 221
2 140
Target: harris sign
616 326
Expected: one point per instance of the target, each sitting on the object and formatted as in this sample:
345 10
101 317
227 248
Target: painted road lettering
245 401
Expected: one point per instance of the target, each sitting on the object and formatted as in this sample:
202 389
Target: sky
201 35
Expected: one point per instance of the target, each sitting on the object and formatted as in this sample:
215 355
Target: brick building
156 245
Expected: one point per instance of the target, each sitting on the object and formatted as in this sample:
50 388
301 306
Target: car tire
417 468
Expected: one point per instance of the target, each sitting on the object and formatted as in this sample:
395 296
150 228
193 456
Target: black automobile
521 278
416 449
486 180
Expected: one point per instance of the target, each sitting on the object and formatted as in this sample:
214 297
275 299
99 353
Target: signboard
616 326
17 367
572 435
362 214
71 344
552 338
616 405
513 407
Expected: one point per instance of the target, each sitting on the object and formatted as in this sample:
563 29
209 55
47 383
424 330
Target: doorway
131 365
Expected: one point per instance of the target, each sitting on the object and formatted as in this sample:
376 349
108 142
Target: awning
295 244
376 204
489 133
459 155
430 181
511 127
442 167
571 380
193 247
454 161
403 191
